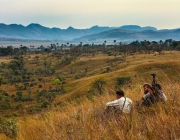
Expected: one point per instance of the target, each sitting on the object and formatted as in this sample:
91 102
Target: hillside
130 35
38 32
78 113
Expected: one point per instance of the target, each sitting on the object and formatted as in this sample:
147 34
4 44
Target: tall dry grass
85 120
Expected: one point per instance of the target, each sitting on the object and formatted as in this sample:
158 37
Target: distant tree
67 43
17 63
45 62
114 42
160 42
72 63
23 50
174 44
105 42
81 44
56 83
62 45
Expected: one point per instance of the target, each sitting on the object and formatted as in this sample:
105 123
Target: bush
80 75
90 95
19 105
35 109
45 104
5 106
9 128
5 102
123 80
18 96
98 84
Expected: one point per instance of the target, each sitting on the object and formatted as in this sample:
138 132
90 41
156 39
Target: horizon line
90 26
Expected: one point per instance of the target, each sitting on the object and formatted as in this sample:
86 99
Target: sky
162 14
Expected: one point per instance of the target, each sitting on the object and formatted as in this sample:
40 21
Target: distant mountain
134 34
137 28
38 32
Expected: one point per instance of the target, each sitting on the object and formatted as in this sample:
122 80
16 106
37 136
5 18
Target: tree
62 45
45 62
81 44
72 63
23 49
56 83
114 42
52 69
17 64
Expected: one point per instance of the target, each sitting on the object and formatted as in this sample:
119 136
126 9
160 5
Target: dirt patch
5 59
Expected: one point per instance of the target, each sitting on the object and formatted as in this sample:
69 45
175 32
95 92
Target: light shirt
118 104
147 96
162 96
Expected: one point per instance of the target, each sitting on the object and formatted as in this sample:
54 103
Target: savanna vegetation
60 91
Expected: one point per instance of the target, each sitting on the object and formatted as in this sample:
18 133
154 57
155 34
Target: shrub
98 84
34 109
19 105
18 95
90 95
9 128
80 75
123 80
45 104
5 102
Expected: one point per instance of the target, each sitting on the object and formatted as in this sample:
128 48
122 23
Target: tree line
132 47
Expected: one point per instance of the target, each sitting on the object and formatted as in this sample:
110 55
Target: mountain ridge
38 32
129 35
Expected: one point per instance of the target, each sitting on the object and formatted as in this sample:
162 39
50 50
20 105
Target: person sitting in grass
148 91
152 95
121 104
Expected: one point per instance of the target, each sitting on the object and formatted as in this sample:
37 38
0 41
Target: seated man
152 96
148 97
122 103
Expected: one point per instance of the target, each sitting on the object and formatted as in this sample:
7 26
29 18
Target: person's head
158 86
147 88
119 94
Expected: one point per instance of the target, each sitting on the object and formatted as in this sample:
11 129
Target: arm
113 103
146 96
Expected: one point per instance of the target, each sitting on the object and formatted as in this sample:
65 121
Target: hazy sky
87 13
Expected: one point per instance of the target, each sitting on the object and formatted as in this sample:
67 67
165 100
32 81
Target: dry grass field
78 114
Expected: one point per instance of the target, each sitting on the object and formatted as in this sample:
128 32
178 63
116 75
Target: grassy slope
82 118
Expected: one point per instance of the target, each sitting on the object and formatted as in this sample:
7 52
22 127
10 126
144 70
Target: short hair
147 85
120 92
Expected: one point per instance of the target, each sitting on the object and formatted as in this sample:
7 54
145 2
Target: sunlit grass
85 120
79 116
